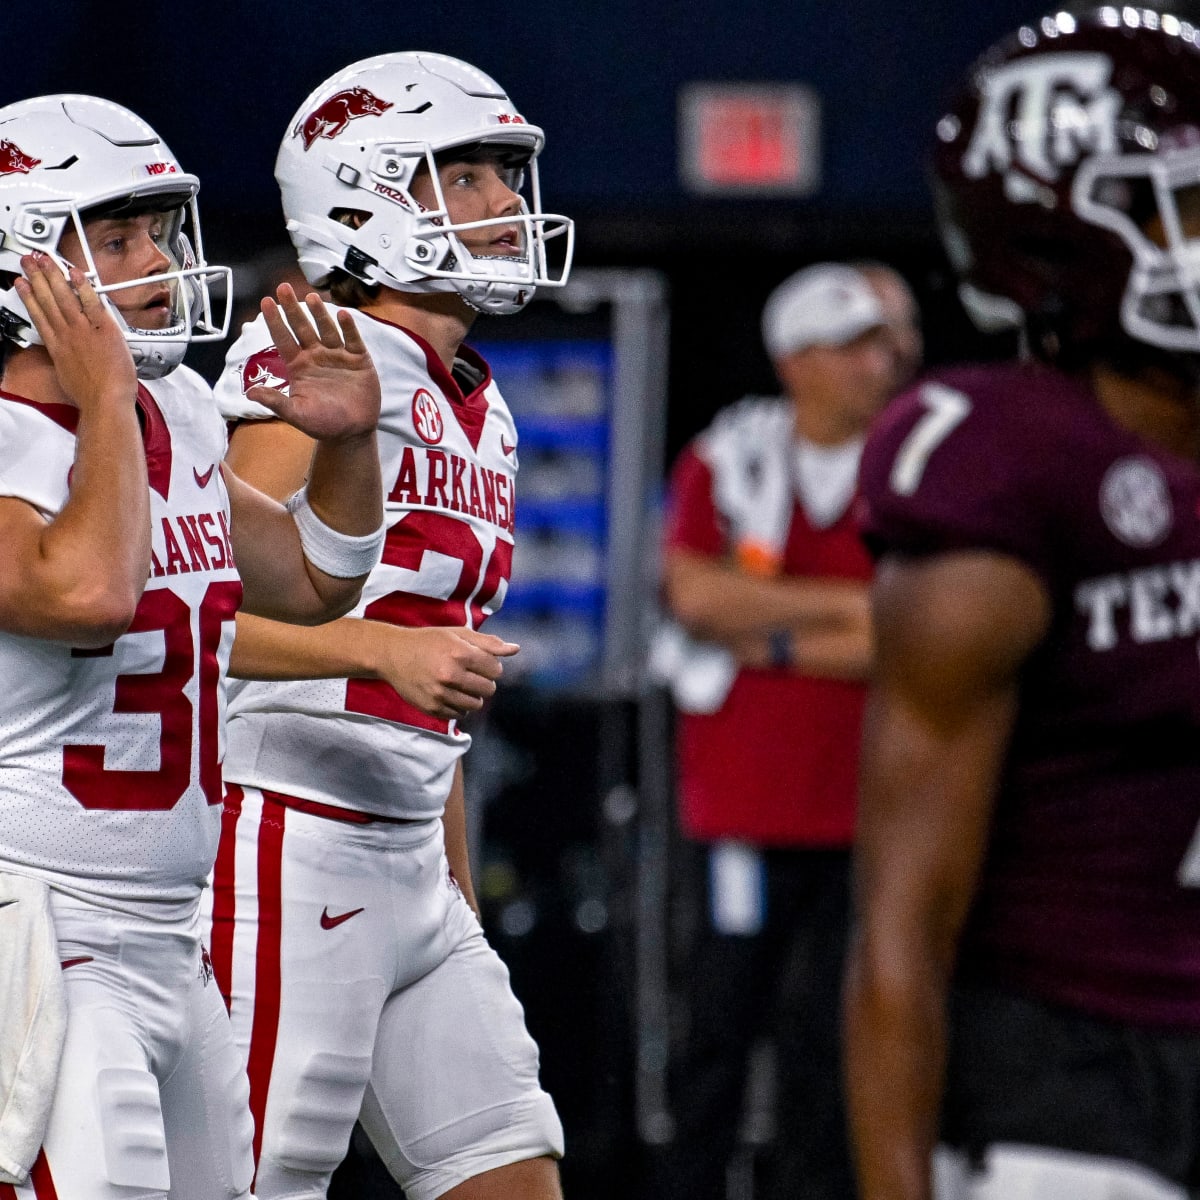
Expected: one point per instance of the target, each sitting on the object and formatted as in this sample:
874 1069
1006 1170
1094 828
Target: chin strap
152 358
497 300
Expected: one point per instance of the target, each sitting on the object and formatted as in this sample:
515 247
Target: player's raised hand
333 391
91 357
444 671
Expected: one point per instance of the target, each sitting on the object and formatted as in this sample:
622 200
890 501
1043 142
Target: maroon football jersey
1088 894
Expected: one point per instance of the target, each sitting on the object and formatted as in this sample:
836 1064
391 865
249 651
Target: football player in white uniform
128 548
359 979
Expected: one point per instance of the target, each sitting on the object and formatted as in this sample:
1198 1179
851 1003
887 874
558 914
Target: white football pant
1014 1172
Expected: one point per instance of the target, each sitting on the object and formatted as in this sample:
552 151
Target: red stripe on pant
39 1179
264 1029
43 1184
224 895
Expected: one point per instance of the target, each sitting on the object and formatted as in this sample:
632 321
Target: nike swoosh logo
505 447
6 903
328 922
75 962
202 479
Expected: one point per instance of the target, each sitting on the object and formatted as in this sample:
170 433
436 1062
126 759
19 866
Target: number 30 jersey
448 458
110 759
1089 893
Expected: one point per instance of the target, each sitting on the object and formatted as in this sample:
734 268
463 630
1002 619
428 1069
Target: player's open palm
333 391
444 671
90 355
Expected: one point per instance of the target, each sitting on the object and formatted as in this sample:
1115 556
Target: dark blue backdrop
220 79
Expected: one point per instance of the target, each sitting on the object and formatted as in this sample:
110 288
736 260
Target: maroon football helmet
1067 182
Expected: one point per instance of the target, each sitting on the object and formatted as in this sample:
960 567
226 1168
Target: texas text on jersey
1087 896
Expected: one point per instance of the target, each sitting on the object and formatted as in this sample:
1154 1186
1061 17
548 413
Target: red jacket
777 764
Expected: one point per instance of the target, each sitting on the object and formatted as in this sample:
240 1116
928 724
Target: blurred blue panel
542 598
585 517
561 432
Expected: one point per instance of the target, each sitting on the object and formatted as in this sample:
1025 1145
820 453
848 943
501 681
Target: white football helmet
66 158
357 142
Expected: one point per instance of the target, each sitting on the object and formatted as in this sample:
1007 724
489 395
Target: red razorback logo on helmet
334 114
265 369
14 160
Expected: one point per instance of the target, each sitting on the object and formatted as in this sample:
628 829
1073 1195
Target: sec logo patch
427 420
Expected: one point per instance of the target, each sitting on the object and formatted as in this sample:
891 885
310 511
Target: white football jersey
449 460
110 759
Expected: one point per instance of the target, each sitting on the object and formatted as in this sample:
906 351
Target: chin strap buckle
14 328
356 263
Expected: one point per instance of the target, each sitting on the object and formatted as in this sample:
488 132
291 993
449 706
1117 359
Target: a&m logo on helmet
427 420
14 160
1039 116
330 117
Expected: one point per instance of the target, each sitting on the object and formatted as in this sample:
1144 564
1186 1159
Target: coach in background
767 581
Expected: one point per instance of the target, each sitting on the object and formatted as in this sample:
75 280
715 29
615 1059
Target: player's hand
333 392
445 672
90 355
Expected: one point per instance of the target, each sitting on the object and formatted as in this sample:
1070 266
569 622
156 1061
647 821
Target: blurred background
706 150
220 79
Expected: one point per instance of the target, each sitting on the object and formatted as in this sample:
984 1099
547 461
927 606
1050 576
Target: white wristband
338 554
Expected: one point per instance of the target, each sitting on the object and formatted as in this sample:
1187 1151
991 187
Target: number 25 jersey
1088 893
448 459
110 759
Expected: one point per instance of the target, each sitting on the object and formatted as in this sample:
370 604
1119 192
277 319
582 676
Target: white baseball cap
827 304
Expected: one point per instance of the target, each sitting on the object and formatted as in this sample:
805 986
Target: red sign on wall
749 139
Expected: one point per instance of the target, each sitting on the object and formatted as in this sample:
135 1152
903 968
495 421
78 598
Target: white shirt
110 785
448 462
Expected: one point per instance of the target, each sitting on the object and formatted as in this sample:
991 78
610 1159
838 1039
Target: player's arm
445 672
828 619
454 827
952 634
838 652
301 563
78 577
